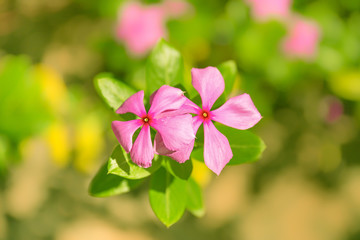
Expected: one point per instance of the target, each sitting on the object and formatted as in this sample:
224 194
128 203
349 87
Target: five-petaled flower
176 131
238 112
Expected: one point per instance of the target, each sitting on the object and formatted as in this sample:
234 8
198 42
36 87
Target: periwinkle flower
238 112
176 131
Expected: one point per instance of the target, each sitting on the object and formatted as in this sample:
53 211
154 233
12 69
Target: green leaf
228 71
120 164
246 146
164 66
167 196
195 202
180 170
105 185
112 91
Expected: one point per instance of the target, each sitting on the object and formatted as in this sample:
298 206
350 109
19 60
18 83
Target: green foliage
180 170
105 184
23 110
167 196
112 91
120 164
228 70
195 202
164 67
246 146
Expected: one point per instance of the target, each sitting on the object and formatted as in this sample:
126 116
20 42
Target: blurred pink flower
302 39
263 10
238 112
175 131
141 26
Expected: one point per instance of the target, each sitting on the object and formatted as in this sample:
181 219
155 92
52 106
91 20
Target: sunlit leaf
195 202
246 146
105 185
112 91
228 71
167 196
120 164
164 67
180 170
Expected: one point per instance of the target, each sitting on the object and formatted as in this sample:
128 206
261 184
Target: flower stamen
146 119
205 115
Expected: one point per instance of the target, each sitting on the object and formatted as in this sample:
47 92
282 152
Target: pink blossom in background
175 131
302 39
263 10
141 26
238 112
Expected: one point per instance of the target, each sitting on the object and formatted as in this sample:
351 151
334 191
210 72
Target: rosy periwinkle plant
237 112
176 131
141 26
302 39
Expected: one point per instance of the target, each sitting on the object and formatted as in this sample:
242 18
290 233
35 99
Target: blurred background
299 60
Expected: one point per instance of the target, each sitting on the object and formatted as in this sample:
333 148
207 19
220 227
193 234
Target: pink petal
140 27
134 104
209 83
142 152
237 112
184 153
166 98
124 132
176 132
217 151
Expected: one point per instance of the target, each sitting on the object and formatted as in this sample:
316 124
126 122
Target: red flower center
146 119
205 115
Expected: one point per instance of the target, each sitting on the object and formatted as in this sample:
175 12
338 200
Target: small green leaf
167 196
120 164
180 170
228 71
164 66
112 91
105 185
195 202
246 146
198 154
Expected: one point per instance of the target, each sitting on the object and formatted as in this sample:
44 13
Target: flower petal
209 83
217 151
238 112
176 132
182 154
142 152
134 104
124 132
166 98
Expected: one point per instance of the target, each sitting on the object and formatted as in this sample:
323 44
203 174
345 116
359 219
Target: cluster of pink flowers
170 115
303 34
141 26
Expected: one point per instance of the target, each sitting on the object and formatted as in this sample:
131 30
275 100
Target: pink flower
175 131
141 26
263 10
238 112
302 39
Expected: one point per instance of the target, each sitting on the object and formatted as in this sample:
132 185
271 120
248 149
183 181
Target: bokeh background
299 60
